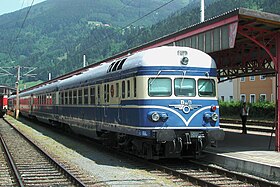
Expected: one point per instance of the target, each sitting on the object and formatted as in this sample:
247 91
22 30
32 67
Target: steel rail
12 163
243 178
61 168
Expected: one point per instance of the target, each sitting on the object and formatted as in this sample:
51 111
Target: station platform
250 153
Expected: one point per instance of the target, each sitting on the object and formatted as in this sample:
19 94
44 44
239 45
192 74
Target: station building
248 89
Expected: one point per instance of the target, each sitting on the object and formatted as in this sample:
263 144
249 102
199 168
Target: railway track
204 175
256 126
25 164
188 173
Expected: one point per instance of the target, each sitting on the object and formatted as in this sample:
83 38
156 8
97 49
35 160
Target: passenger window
105 93
123 89
62 98
86 96
66 98
128 88
74 97
184 87
98 94
80 97
108 93
117 90
159 87
92 95
135 90
206 88
70 97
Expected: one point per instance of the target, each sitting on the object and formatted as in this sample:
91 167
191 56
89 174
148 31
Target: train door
106 101
31 102
55 101
1 102
99 108
121 97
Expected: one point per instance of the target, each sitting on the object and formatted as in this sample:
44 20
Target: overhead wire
15 40
126 26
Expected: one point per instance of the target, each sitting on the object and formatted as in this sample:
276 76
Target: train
156 103
3 104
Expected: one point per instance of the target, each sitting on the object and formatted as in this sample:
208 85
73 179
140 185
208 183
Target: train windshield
184 87
160 87
206 88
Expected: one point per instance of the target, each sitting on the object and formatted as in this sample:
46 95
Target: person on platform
244 114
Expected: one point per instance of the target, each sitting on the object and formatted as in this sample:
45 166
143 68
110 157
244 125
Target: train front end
180 108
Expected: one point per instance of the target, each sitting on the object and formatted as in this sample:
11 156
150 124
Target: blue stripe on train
135 114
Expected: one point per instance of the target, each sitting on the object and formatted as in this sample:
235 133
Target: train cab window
159 87
184 87
80 96
92 95
86 96
128 88
206 88
123 89
74 97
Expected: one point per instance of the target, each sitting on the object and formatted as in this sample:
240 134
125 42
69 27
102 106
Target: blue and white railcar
158 103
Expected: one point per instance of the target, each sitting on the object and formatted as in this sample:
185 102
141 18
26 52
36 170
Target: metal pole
201 10
84 60
17 87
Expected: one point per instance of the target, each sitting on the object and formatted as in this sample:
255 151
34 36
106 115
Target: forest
56 34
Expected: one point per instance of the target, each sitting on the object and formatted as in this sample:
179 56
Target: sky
7 6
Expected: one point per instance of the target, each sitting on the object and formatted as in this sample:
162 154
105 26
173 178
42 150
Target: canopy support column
277 65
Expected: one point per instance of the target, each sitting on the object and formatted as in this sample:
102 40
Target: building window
252 78
242 79
262 97
262 77
222 98
231 98
243 98
252 98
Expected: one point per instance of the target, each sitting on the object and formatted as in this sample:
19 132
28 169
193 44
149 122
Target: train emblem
186 107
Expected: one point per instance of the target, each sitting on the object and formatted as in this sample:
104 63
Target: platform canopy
243 42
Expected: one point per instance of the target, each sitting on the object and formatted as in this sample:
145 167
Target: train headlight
185 61
215 117
155 117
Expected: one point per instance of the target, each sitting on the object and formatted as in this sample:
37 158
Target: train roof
160 56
